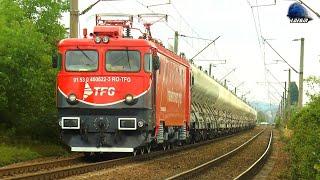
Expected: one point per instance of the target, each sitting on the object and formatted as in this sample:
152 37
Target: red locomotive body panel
173 90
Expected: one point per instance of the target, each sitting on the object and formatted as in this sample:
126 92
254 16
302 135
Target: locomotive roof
122 42
112 42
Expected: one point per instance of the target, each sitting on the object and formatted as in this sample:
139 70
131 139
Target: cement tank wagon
215 108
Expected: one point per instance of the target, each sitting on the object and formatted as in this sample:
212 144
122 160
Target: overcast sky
234 21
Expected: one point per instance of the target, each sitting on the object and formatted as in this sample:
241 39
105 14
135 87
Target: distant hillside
263 106
269 109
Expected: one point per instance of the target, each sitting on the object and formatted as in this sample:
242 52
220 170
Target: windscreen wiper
85 55
128 58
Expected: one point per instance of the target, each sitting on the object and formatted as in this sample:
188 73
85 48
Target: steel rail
10 171
189 173
74 170
84 168
252 170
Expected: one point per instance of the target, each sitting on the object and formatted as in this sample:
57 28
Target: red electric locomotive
119 94
114 95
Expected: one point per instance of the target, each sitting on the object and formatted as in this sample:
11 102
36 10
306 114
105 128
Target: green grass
11 154
12 151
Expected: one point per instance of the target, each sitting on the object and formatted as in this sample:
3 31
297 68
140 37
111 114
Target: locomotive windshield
81 60
123 60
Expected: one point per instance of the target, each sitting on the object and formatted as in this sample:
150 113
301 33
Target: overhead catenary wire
280 56
185 21
255 24
258 15
205 48
258 29
169 26
276 79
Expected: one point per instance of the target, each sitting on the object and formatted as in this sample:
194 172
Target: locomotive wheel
164 147
169 146
172 145
89 156
142 151
148 149
134 153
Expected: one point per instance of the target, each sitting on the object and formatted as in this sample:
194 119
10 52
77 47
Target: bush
304 146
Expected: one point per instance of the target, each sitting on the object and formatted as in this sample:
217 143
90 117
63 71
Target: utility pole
300 99
281 108
285 92
283 105
74 18
211 64
289 95
210 69
176 39
284 100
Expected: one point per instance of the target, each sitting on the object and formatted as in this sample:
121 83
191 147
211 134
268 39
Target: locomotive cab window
81 60
148 62
123 61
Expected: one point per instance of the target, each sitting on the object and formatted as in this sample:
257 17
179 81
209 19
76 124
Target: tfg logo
298 14
98 91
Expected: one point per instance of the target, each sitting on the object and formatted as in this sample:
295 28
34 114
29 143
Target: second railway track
228 165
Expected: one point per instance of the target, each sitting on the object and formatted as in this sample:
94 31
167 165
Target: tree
261 117
28 36
294 93
313 84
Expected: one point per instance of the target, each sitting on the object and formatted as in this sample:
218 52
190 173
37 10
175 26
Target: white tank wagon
215 109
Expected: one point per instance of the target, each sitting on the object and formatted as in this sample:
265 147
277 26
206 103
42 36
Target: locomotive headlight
72 99
129 99
105 39
97 39
140 124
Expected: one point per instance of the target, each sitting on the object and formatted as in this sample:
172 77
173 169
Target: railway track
34 167
254 168
75 166
249 172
